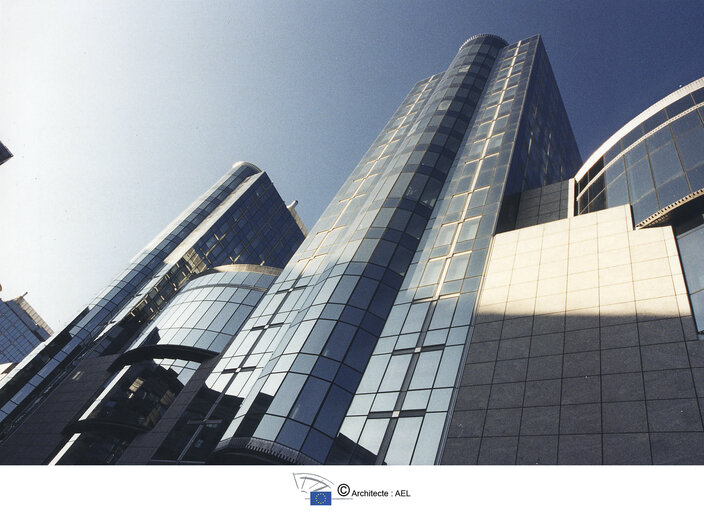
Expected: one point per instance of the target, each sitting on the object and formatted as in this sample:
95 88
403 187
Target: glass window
432 272
447 373
691 246
445 235
645 207
395 373
373 433
436 337
456 204
283 400
442 316
654 121
403 441
469 229
429 439
691 146
686 123
309 400
292 434
458 266
385 402
335 407
696 177
361 404
679 106
440 399
632 136
614 171
640 181
424 372
416 400
659 138
672 191
617 192
665 163
636 154
697 300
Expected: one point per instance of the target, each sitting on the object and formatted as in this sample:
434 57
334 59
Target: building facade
240 221
585 348
473 294
21 329
372 316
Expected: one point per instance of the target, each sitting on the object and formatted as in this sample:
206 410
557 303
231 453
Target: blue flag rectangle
321 498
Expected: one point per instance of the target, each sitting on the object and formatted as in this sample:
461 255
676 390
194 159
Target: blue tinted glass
665 163
632 136
645 207
691 246
697 300
636 154
686 123
640 181
672 191
691 146
335 407
611 153
614 171
617 192
679 106
696 177
657 139
654 121
292 434
309 400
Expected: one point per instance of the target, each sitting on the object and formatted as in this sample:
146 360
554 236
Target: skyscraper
21 329
462 300
371 317
240 221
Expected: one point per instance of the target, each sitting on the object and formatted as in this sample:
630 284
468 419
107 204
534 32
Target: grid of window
321 320
400 408
205 315
253 226
656 164
19 332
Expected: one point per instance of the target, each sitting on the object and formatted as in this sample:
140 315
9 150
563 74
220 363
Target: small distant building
5 153
21 329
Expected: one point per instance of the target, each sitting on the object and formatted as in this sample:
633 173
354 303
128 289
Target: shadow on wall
584 351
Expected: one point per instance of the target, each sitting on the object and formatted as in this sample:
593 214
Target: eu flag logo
321 498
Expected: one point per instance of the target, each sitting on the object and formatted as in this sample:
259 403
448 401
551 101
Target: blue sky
120 113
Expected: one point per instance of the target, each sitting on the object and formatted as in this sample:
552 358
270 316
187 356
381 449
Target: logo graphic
343 489
308 482
320 498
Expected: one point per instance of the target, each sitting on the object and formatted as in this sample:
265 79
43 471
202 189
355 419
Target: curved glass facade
240 220
657 163
358 344
204 316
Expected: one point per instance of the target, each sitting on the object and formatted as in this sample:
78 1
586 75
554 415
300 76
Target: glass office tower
358 343
241 220
462 300
21 329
